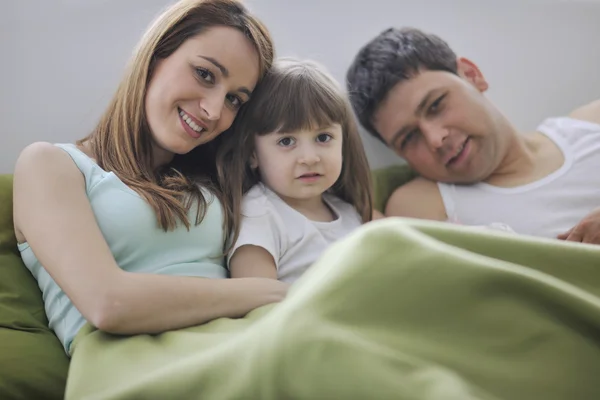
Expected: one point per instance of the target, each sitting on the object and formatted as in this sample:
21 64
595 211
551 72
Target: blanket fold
400 309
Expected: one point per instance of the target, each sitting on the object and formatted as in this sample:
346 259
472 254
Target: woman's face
195 93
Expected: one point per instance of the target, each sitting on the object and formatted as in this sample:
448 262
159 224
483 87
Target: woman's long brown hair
294 95
121 142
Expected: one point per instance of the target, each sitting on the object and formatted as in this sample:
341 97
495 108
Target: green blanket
402 309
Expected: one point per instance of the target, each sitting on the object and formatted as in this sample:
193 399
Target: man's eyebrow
401 132
418 111
225 73
423 103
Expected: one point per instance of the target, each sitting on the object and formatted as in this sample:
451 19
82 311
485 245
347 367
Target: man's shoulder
589 112
419 198
420 185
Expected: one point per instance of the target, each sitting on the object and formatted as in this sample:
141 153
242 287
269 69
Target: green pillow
388 179
33 362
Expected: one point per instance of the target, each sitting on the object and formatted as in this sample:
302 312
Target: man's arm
377 215
588 229
589 112
419 198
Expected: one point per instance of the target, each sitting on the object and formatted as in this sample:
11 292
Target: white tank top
547 207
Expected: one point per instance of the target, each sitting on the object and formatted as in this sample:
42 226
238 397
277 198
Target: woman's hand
268 290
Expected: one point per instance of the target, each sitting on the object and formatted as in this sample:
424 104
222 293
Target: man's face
442 125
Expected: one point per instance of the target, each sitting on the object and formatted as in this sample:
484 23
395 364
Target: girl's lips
309 177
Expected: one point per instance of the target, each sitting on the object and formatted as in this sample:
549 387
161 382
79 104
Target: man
411 91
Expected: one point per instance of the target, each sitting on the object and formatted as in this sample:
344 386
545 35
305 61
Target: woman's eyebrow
217 64
225 73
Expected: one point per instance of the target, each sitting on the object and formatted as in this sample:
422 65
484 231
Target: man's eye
436 105
410 136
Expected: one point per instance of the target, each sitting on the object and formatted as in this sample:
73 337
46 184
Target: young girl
298 161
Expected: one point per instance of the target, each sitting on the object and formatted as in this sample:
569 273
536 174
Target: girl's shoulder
335 201
257 202
342 207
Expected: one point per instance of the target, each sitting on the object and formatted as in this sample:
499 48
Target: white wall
61 60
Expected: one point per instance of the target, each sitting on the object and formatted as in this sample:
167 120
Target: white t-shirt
545 208
294 241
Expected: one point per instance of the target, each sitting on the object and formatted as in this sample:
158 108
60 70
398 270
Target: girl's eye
324 138
205 75
286 142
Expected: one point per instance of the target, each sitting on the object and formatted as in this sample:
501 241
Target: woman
118 228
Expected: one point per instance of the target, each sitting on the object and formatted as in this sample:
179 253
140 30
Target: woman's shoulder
52 158
43 157
39 149
41 168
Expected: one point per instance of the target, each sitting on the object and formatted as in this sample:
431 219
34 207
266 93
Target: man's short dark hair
392 56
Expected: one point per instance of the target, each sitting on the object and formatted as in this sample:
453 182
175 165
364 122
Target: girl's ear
253 161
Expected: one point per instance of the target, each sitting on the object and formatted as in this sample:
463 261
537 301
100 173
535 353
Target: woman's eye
286 142
235 101
205 75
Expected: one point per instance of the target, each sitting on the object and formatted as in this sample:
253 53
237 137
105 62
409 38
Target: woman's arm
252 261
52 212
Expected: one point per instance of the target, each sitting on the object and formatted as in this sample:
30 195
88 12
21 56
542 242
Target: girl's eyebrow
326 127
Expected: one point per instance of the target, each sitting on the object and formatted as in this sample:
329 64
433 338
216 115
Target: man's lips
456 152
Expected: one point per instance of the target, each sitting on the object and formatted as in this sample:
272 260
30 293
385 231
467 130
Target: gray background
60 60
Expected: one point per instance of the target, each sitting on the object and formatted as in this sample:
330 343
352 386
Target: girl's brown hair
121 142
294 95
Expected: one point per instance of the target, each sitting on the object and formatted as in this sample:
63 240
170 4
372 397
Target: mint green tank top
136 241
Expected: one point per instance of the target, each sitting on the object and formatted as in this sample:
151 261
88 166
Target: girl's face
195 93
300 166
